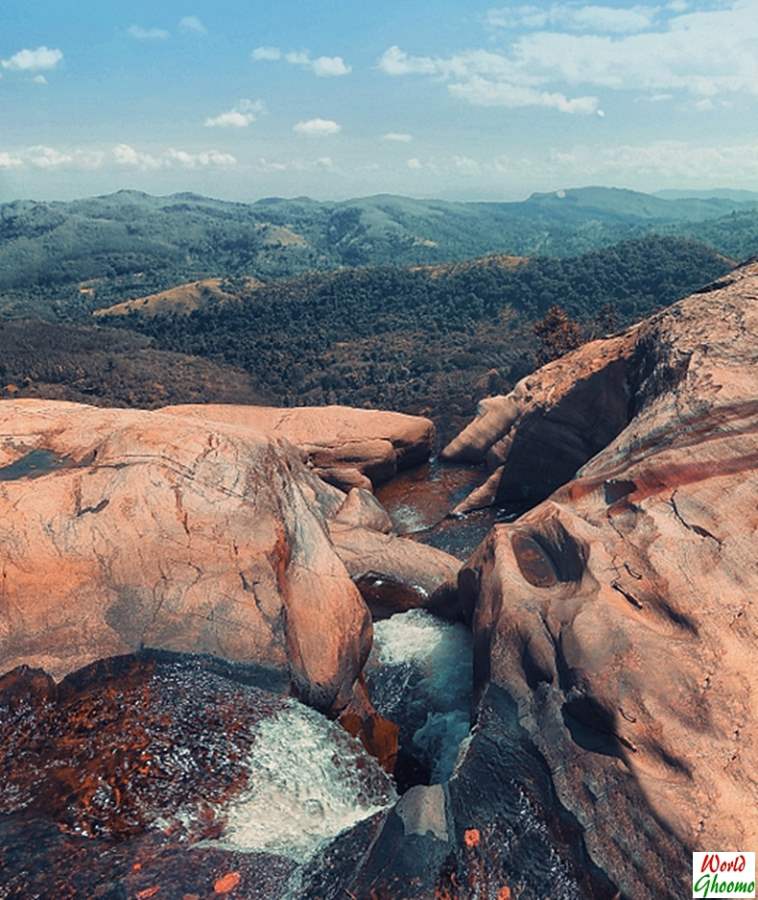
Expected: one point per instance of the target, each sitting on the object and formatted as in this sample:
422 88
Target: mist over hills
135 244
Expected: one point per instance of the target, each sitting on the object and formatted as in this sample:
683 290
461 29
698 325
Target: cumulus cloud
204 159
42 157
330 66
129 157
317 128
266 54
703 53
398 137
242 115
139 33
50 158
121 155
39 79
126 155
322 66
43 58
192 25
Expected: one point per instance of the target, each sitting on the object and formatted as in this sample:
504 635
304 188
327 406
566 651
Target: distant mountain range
717 193
57 259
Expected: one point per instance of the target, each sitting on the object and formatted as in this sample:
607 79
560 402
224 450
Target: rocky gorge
244 656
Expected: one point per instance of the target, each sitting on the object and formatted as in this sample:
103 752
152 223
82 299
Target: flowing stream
309 781
420 676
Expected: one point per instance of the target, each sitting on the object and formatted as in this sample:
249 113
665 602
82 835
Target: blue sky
336 99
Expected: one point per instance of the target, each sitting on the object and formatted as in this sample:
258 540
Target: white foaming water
442 653
309 782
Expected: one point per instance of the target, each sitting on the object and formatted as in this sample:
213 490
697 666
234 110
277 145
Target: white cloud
575 17
8 161
317 128
398 136
706 53
266 54
200 160
297 58
121 155
242 115
39 79
192 25
322 66
484 78
323 163
330 67
232 119
148 34
127 156
41 157
43 58
480 92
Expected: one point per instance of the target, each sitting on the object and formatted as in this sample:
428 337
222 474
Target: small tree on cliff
557 333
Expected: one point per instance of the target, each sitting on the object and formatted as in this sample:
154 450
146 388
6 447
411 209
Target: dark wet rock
124 777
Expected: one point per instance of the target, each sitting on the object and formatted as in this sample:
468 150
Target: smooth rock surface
132 528
619 615
347 447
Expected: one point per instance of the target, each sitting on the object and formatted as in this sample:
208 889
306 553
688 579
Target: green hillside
60 260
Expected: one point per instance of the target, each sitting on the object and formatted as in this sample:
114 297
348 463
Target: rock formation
618 615
124 529
346 447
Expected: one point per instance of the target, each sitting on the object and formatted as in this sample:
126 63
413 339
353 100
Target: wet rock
149 776
378 735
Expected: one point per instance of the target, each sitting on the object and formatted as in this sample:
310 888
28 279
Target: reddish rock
619 613
126 528
347 447
378 735
394 574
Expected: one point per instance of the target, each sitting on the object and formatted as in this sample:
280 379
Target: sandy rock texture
346 447
619 614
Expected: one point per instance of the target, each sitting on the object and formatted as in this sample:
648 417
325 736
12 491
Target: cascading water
309 781
420 675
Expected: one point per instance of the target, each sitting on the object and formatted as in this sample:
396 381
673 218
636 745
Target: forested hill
420 339
60 259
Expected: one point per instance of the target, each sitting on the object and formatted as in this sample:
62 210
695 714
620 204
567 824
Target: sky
242 99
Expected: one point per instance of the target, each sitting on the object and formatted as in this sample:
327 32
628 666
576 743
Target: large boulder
347 447
617 616
124 529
